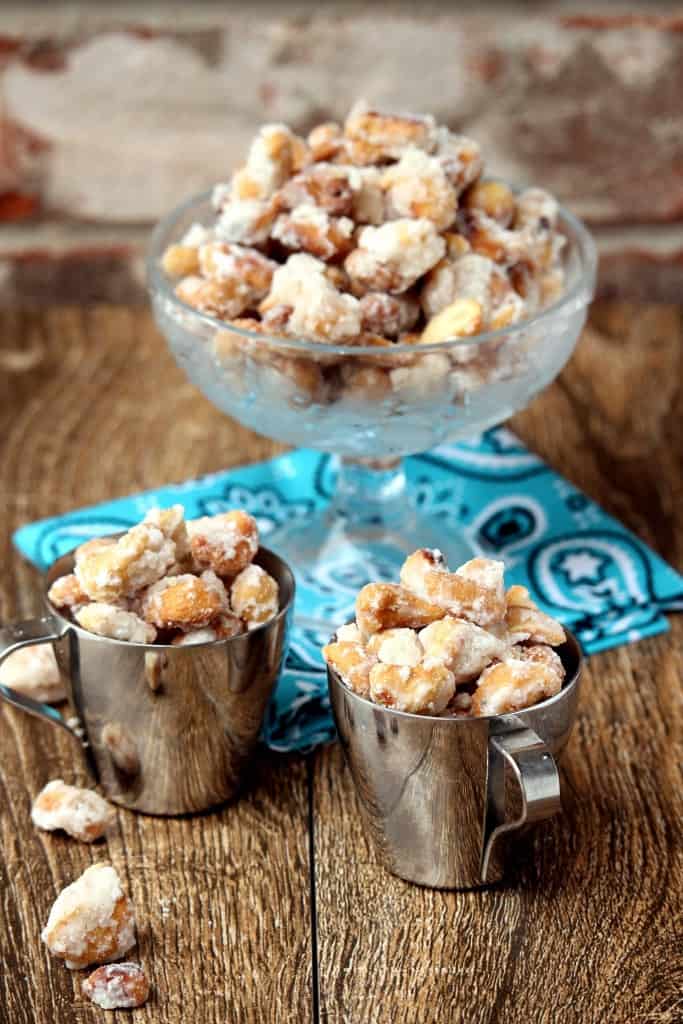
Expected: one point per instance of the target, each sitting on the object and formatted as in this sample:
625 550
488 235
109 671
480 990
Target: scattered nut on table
117 986
80 813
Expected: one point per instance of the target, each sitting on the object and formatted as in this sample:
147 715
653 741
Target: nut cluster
449 643
375 232
168 580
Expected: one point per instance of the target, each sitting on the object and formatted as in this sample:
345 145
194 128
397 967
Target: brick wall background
110 114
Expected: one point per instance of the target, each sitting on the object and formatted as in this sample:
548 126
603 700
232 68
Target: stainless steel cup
166 730
440 795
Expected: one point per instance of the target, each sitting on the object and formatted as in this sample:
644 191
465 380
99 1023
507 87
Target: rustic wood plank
92 406
588 928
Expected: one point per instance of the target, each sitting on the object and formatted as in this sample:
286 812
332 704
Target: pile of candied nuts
449 643
171 581
377 232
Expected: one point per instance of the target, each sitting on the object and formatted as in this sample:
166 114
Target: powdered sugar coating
225 543
318 309
417 186
392 257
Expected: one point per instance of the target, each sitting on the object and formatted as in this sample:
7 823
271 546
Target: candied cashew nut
180 261
425 689
474 591
91 920
184 602
311 229
392 257
225 543
326 141
536 208
471 276
117 986
328 187
109 572
542 654
463 319
465 649
388 315
460 157
381 606
397 647
67 592
247 221
33 672
512 685
352 662
387 135
525 621
272 157
80 813
254 596
116 623
319 311
417 186
349 633
494 198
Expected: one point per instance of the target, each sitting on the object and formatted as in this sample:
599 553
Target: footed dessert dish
367 291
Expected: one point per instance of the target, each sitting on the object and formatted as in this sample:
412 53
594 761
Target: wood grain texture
222 900
590 927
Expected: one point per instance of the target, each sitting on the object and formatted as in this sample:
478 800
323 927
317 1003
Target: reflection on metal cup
166 730
440 795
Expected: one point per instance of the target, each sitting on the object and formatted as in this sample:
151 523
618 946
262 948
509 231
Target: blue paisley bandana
580 565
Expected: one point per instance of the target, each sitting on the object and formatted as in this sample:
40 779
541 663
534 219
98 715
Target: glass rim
578 296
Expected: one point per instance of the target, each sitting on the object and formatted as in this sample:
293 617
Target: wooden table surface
274 908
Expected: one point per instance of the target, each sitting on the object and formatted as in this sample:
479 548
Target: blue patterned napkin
581 565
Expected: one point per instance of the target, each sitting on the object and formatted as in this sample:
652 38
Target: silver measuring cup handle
535 773
23 634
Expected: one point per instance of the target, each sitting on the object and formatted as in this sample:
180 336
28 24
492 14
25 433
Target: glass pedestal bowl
369 407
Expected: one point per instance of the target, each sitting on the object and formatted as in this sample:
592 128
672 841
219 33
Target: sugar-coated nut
536 208
389 134
364 383
116 623
352 662
117 986
392 257
417 186
185 601
80 813
171 522
460 157
425 689
525 621
349 633
462 319
32 671
271 160
495 199
541 653
328 187
369 201
250 271
91 921
110 572
461 704
474 591
397 647
122 747
247 221
319 311
381 606
254 596
325 141
309 228
512 685
225 543
467 277
465 649
180 260
222 628
67 592
388 315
